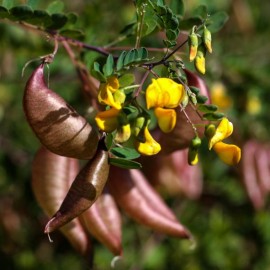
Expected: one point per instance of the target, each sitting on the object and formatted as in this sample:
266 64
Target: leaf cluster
115 65
49 20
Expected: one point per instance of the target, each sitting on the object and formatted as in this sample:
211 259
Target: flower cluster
163 96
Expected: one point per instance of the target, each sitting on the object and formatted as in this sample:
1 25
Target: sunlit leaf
201 99
120 61
8 3
125 152
108 67
207 108
125 163
126 80
213 116
96 72
33 3
217 21
201 11
109 140
55 7
178 7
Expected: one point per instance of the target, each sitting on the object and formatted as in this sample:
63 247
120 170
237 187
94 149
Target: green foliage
124 152
125 163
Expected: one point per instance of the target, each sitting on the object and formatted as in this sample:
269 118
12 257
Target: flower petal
150 146
166 119
107 120
107 91
228 153
223 131
164 92
123 134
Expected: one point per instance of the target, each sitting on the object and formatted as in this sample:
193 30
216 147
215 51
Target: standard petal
223 131
164 92
166 119
228 153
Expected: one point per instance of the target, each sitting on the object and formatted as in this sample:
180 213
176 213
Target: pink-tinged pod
132 201
57 125
173 175
151 196
84 191
50 182
183 133
103 221
249 175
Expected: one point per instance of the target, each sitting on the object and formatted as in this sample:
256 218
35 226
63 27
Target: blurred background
229 217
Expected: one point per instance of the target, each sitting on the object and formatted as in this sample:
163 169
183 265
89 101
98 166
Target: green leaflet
124 163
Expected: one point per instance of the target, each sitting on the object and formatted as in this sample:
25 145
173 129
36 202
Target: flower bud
196 142
200 60
207 39
209 131
193 156
193 46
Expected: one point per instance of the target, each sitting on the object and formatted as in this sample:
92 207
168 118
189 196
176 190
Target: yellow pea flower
223 131
108 120
228 153
150 146
166 119
109 93
165 93
200 60
123 133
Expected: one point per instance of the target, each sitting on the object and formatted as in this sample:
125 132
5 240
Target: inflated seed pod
173 175
57 125
249 174
51 174
134 203
84 191
103 221
152 197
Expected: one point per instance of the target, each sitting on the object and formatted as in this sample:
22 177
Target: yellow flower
109 94
166 119
219 96
223 131
123 133
108 120
150 146
228 153
164 94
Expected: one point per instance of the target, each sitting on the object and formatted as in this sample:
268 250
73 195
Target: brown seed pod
84 191
51 175
152 197
57 125
103 221
128 196
249 174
